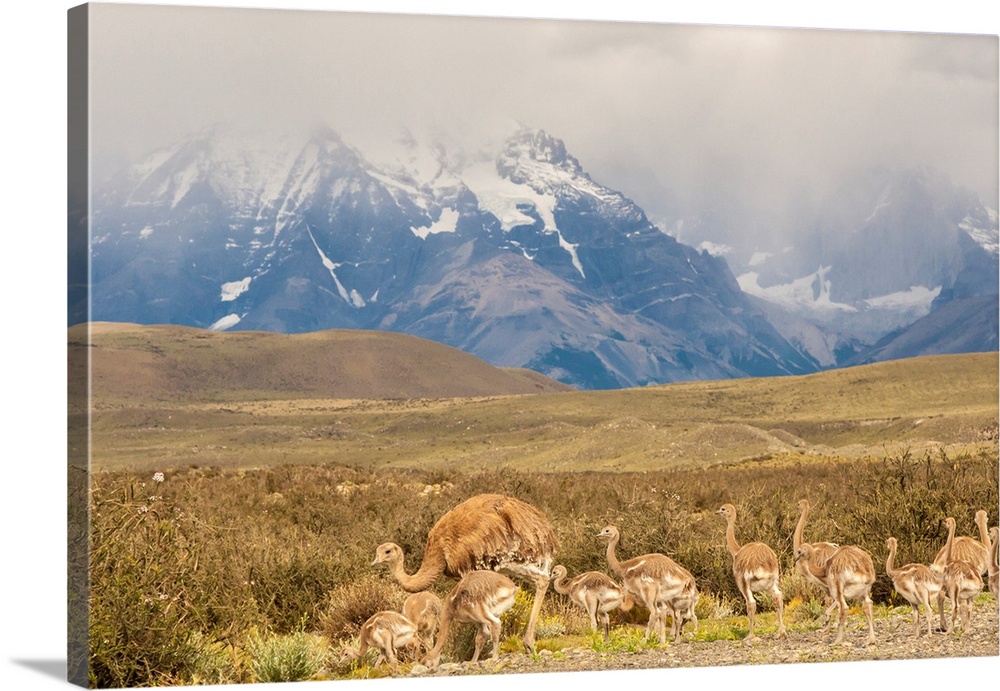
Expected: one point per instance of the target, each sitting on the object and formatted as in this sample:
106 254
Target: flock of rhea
492 532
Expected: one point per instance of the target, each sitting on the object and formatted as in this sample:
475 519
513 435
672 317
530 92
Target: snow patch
351 298
304 184
529 257
715 249
233 289
447 223
809 291
154 161
917 297
227 322
501 197
571 248
987 238
182 184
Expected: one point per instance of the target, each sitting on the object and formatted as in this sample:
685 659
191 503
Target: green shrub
285 657
143 574
625 639
211 662
717 606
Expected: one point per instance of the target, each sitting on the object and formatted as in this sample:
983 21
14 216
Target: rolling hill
174 363
169 396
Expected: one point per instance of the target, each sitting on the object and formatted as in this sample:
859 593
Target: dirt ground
894 641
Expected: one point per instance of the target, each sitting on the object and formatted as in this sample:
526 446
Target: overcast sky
646 107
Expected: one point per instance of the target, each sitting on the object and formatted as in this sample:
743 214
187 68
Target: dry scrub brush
207 556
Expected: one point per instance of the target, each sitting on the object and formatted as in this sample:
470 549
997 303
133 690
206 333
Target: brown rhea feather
478 586
753 556
592 580
488 529
851 558
653 565
993 579
964 549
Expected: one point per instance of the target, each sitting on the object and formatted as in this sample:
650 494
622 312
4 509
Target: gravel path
894 641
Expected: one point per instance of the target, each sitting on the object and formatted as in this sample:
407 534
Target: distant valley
169 396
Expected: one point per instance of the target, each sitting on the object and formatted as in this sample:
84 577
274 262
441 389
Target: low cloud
665 113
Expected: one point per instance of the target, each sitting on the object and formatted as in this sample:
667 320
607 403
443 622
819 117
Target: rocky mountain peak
528 152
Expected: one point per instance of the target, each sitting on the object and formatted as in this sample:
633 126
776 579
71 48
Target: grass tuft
289 657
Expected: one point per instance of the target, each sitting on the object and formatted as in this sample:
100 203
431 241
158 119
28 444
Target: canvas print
419 346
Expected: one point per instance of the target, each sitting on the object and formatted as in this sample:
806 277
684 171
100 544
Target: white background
32 238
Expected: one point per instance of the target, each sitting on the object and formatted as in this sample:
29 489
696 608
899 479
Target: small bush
628 639
515 619
712 606
549 627
289 657
211 662
142 573
350 605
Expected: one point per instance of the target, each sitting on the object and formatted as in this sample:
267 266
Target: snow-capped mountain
881 252
963 325
515 255
900 238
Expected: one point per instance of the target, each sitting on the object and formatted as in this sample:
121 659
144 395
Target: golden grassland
276 492
936 402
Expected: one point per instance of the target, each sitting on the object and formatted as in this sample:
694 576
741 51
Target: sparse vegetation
154 414
185 571
247 556
292 657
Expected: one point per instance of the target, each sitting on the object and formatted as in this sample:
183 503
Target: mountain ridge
517 255
341 242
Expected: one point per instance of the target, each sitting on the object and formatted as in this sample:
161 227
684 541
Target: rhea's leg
541 585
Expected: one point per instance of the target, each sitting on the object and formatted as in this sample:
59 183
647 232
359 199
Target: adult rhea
485 532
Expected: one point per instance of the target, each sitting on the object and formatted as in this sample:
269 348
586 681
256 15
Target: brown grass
215 555
944 402
169 363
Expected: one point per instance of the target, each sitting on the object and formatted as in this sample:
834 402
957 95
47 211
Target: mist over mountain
515 255
882 250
